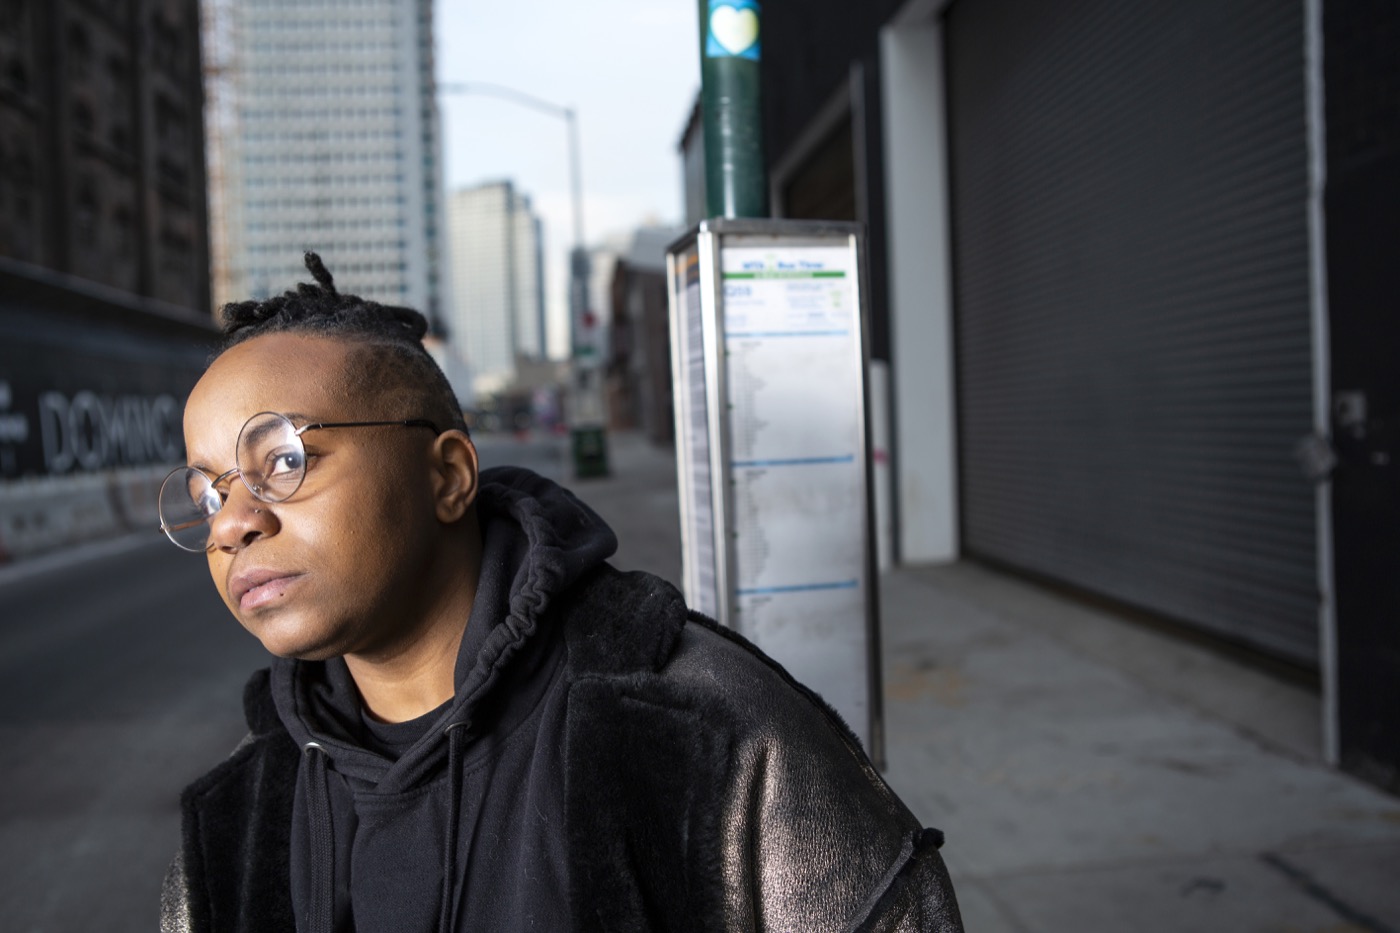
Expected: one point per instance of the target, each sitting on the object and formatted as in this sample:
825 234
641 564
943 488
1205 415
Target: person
472 720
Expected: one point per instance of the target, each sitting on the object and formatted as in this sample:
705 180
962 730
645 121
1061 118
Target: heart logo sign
735 30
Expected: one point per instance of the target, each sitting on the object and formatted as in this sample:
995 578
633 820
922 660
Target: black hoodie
611 762
472 792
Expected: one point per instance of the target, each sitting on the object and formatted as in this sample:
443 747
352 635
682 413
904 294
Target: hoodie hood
538 540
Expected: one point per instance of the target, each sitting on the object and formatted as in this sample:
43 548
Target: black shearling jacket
703 789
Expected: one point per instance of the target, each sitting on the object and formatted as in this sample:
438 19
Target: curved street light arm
567 114
509 93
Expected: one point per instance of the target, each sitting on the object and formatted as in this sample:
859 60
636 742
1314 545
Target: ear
454 475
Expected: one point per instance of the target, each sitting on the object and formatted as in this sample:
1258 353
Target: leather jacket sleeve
175 899
811 836
714 793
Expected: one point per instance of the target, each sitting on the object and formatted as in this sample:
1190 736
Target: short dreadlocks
390 363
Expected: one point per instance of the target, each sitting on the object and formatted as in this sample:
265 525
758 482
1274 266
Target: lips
260 586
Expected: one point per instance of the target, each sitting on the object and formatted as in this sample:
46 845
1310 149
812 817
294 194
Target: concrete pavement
1090 774
1093 776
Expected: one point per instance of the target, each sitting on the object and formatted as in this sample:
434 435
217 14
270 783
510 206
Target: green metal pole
736 180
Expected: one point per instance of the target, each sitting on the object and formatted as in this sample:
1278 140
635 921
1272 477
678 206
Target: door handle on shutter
1316 457
1349 414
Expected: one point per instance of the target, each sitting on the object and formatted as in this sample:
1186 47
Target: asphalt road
121 677
545 454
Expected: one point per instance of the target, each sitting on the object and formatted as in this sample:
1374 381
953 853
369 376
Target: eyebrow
292 416
257 433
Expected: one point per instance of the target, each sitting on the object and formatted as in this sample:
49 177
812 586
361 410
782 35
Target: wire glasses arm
410 423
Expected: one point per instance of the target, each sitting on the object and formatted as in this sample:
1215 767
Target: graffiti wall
72 403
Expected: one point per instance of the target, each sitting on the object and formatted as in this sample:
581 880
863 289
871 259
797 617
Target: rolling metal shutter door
1129 188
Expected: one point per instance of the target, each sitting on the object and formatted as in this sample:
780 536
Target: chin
286 638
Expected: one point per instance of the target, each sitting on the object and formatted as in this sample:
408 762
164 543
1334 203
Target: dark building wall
89 384
25 170
1129 192
102 144
808 47
692 152
809 50
652 359
639 372
170 93
104 268
1361 77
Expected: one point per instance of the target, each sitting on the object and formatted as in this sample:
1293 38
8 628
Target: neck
415 675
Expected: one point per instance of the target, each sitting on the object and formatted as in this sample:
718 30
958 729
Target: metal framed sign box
768 358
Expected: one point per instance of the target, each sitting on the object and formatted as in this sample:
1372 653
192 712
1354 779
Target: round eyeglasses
271 462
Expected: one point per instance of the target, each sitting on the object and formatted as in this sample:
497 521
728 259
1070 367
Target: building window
17 76
165 46
79 53
124 230
83 120
117 106
12 16
170 125
21 171
176 253
85 218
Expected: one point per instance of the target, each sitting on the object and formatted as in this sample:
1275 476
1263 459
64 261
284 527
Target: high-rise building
498 294
104 273
324 135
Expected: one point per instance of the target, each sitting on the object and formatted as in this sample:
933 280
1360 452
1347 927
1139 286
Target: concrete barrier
46 513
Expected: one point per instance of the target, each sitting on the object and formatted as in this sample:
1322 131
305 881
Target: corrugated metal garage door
1133 328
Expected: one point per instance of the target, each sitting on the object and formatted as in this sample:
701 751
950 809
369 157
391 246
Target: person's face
340 567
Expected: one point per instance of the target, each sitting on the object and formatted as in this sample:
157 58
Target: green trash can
590 446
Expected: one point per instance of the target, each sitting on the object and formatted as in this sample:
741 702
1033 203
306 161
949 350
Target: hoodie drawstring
318 799
457 734
321 916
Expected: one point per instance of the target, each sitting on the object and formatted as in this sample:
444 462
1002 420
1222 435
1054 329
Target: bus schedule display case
768 356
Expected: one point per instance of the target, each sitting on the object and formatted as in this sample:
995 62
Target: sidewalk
1083 784
1091 775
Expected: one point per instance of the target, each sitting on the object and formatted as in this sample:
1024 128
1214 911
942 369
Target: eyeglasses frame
297 433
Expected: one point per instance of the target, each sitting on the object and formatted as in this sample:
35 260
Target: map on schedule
789 291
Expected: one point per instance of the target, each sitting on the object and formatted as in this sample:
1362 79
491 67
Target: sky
629 68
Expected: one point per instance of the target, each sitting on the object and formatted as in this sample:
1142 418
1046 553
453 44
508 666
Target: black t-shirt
392 739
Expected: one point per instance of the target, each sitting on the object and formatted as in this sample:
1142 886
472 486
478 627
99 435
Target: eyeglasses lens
271 462
187 501
271 457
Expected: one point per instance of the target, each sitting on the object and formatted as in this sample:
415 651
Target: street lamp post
586 408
